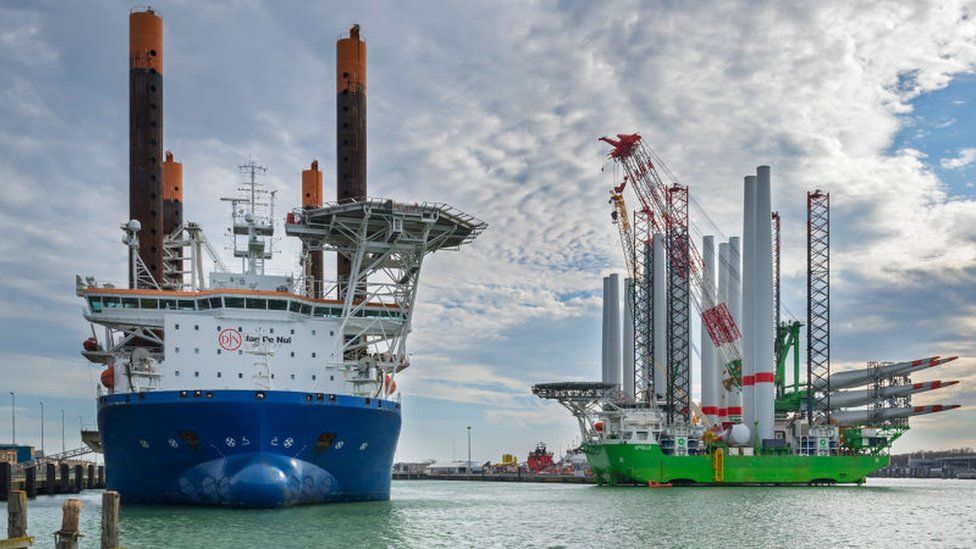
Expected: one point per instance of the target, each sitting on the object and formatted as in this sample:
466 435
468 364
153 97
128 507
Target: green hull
644 463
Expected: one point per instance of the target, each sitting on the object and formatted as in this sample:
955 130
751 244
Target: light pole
13 418
62 430
469 449
42 429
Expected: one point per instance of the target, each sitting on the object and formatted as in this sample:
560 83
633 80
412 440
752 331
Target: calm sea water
883 513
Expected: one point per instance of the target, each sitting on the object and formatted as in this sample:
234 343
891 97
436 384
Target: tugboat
539 459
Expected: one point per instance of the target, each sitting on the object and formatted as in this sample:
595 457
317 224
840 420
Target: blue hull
247 448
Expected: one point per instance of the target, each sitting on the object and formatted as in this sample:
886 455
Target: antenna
252 215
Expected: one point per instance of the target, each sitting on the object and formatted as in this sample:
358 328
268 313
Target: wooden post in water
30 481
110 520
67 537
101 477
17 514
90 477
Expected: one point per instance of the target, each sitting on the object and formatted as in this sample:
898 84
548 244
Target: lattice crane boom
621 218
643 168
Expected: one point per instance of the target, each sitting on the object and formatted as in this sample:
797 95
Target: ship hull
247 448
645 463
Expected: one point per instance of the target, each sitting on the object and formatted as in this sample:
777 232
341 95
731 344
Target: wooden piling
101 477
17 514
30 481
110 520
67 537
50 479
90 477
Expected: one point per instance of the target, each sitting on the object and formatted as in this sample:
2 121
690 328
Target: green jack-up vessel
629 444
753 425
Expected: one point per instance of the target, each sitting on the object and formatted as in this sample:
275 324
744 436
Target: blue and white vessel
258 390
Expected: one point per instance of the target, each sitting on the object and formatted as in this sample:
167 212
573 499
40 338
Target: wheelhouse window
111 302
235 302
215 303
306 309
254 303
95 303
203 304
295 307
187 304
277 305
130 303
167 304
149 303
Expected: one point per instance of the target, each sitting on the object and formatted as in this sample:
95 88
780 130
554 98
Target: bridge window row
100 303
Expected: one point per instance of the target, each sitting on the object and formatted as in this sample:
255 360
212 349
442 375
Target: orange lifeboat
108 377
598 426
389 384
90 344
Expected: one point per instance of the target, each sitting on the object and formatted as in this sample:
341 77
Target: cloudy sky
496 108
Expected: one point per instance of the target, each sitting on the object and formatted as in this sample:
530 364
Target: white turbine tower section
735 307
614 347
764 368
709 361
628 342
749 304
605 325
660 317
723 297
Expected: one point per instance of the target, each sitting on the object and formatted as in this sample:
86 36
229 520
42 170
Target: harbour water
883 513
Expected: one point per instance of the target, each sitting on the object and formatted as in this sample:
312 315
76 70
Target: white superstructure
254 331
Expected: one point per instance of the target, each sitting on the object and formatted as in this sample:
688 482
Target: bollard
6 479
30 481
90 477
79 483
50 480
67 537
17 514
65 478
110 520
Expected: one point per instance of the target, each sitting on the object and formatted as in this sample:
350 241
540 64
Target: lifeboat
91 344
108 377
389 384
